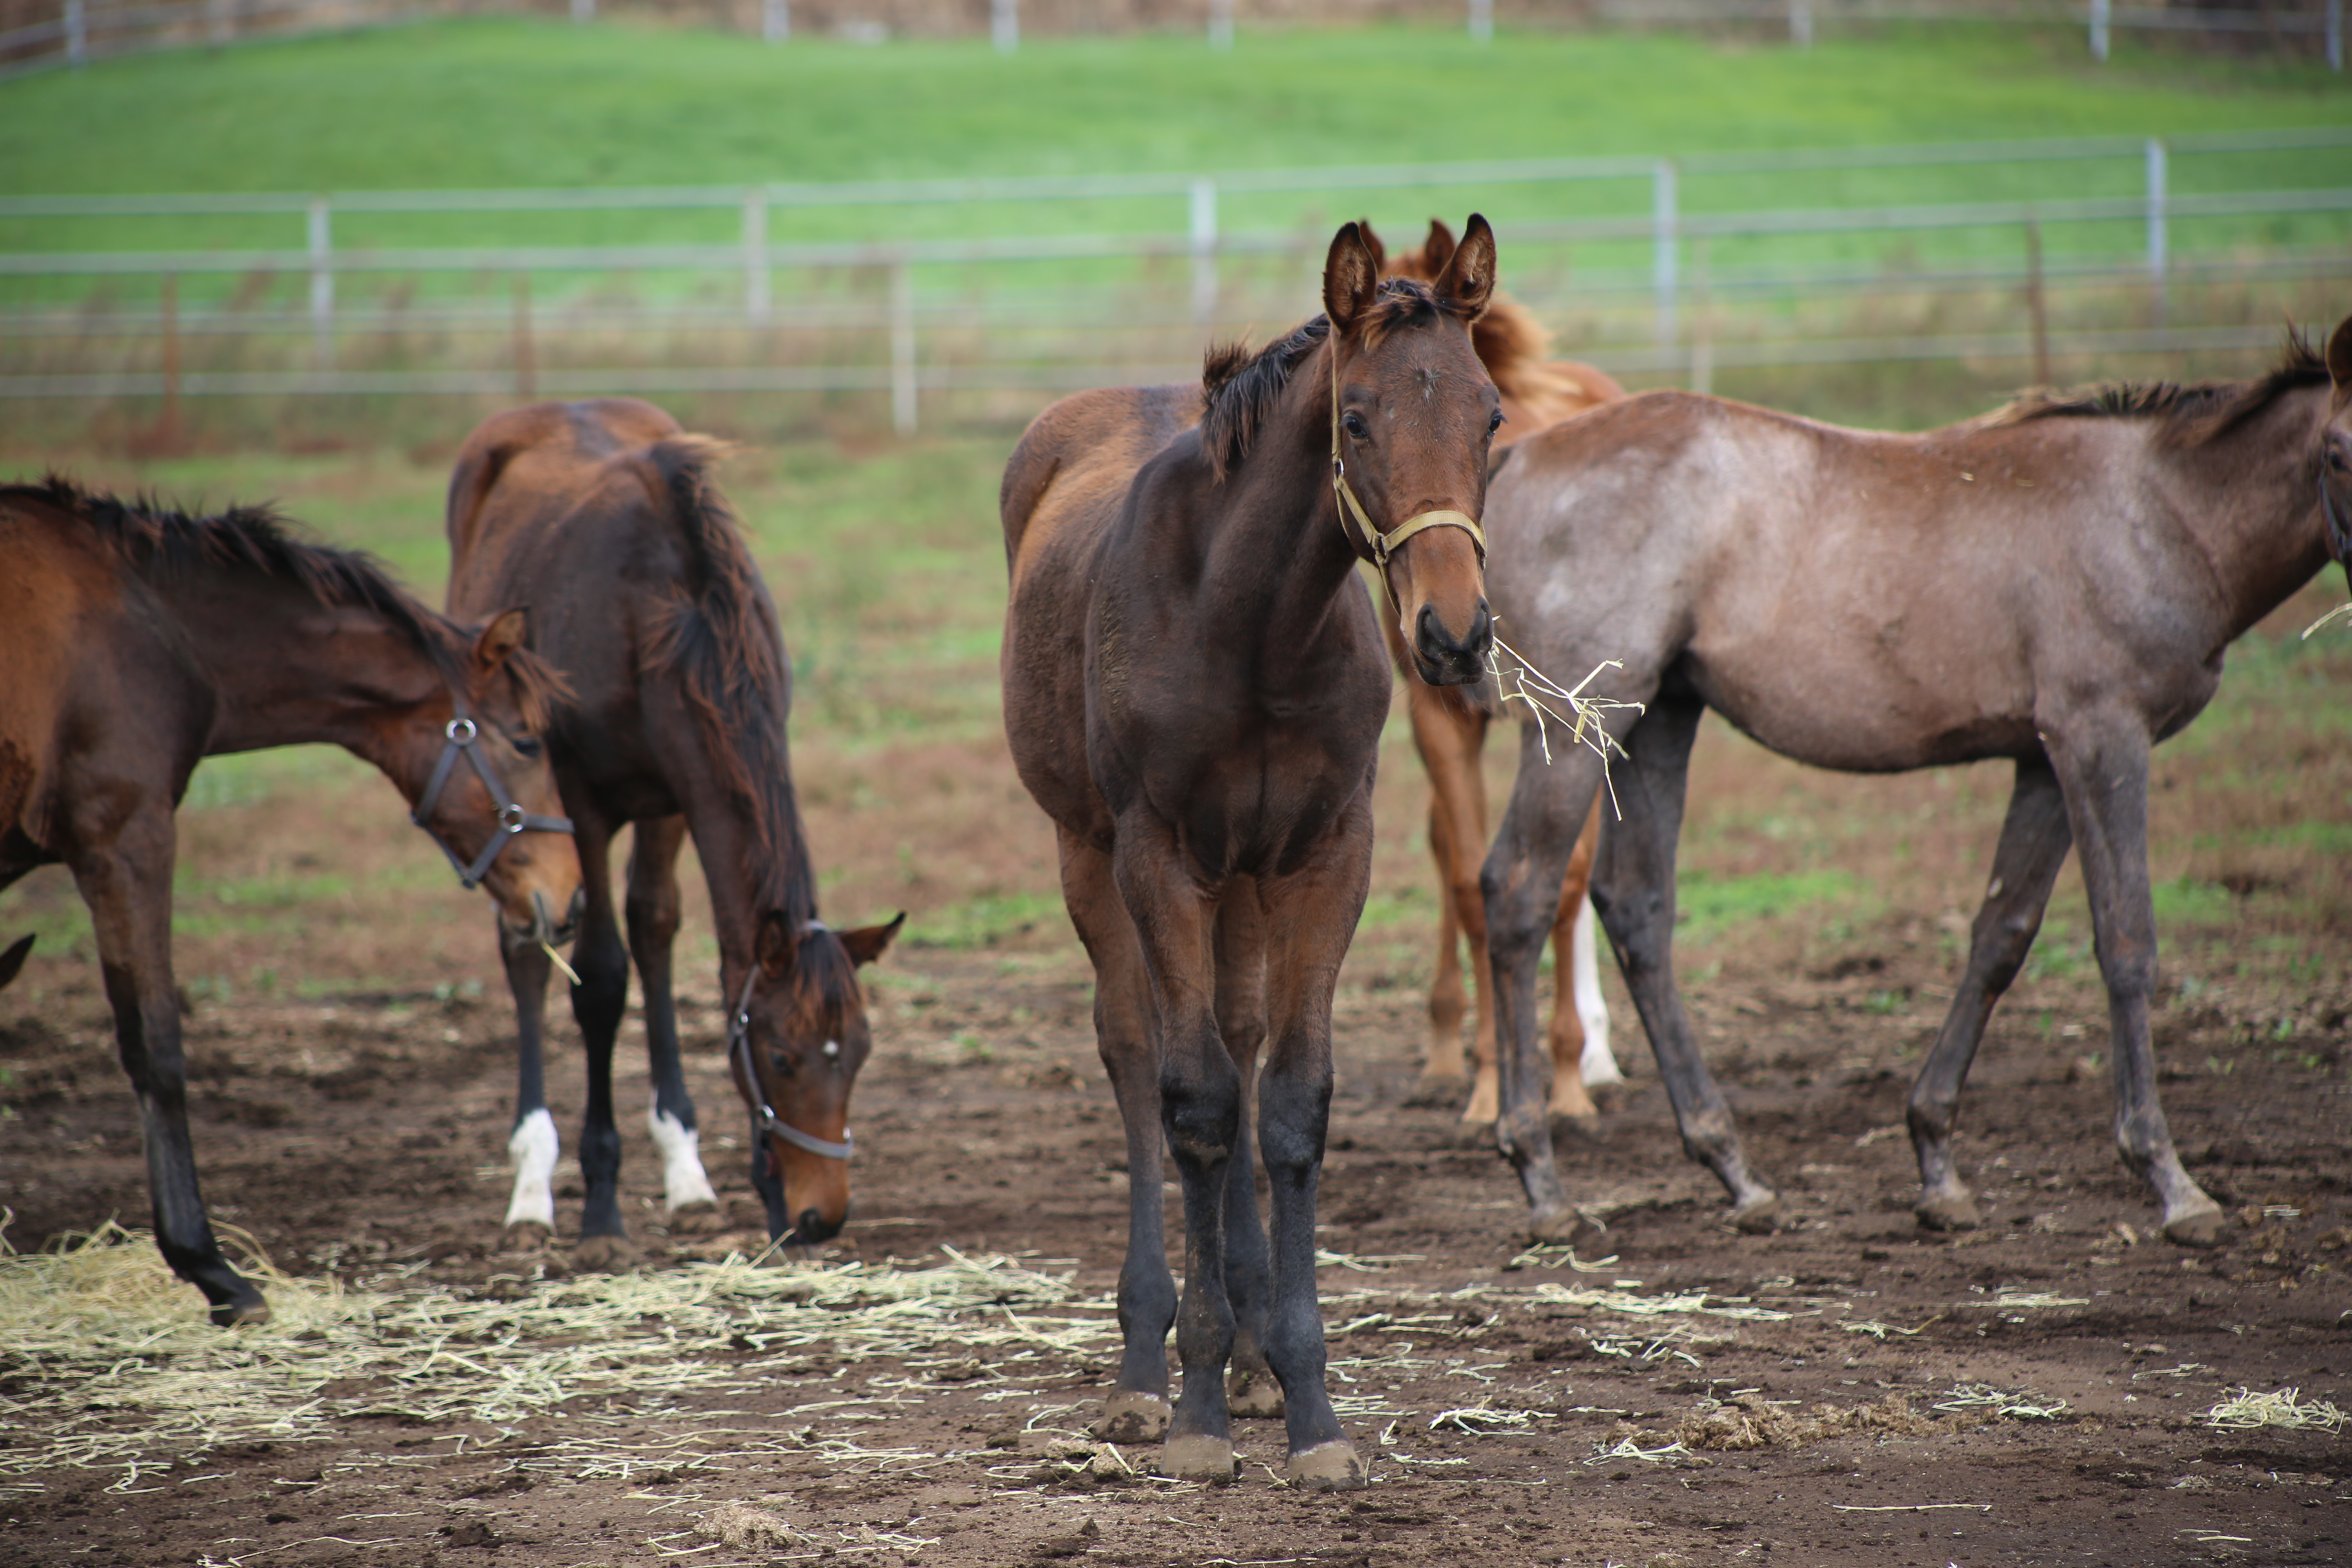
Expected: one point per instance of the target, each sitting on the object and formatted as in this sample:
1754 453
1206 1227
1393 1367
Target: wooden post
168 432
78 32
525 365
1221 25
755 257
1801 23
2099 12
2037 306
776 20
2159 248
2336 35
1004 25
1482 21
902 348
320 233
1702 321
1204 254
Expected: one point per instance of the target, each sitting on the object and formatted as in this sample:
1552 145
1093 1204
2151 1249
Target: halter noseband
1383 545
460 734
739 1044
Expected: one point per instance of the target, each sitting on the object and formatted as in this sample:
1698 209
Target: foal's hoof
604 1254
1760 1216
1254 1396
1328 1467
1572 1225
238 1314
1469 1134
526 1235
700 1217
1949 1211
1582 1128
2198 1228
1132 1417
1200 1458
1442 1088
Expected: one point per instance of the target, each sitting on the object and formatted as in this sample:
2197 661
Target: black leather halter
739 1044
462 734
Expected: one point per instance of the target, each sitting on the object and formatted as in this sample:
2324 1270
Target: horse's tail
12 961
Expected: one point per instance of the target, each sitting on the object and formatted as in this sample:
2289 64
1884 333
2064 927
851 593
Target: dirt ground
2035 1392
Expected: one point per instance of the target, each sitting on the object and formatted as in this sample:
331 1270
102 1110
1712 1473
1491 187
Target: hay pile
107 1361
1747 1422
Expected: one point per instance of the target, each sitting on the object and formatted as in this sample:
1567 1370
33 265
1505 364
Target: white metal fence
1035 310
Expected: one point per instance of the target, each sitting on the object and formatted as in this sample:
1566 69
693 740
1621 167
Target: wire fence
2168 246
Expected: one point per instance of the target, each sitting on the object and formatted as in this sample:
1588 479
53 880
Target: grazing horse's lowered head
1412 413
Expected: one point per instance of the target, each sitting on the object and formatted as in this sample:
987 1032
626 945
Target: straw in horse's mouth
1526 683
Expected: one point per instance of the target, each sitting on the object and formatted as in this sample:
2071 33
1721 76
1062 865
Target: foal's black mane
2192 415
722 644
152 537
1242 384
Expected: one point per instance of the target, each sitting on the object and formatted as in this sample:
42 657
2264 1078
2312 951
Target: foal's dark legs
689 1202
2102 763
1633 890
2033 843
597 1004
1138 1410
1253 1390
127 883
534 1144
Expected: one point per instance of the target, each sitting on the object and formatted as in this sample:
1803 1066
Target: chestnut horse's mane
2192 415
150 536
719 636
1241 385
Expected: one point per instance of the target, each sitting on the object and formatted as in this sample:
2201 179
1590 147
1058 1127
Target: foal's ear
775 945
867 943
1438 248
1372 243
1468 280
498 641
2339 356
1351 278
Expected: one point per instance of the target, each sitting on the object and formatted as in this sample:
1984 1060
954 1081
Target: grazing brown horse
1449 731
2055 583
138 641
602 517
1194 690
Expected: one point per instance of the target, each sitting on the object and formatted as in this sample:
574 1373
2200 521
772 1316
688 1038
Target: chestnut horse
1194 690
138 641
602 517
2055 583
1449 731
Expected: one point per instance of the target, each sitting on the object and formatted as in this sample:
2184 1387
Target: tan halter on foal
1383 545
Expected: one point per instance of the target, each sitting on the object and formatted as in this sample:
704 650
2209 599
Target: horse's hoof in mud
238 1314
1440 1090
2198 1228
1571 1226
1757 1216
1132 1417
1469 1134
1327 1467
1199 1458
526 1235
1949 1211
699 1218
1575 1130
1254 1396
604 1254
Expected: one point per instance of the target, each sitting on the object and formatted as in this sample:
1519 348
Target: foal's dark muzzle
1445 660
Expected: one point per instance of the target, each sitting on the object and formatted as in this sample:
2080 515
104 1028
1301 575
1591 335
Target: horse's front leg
2102 764
127 882
1310 918
689 1203
597 1004
533 1144
1251 1390
1200 1109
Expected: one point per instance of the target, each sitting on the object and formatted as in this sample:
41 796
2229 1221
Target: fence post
170 429
1702 373
216 23
526 361
1204 253
1664 244
776 20
2336 35
583 11
2099 30
1482 21
2157 247
77 32
322 284
2037 304
755 257
1221 24
902 348
1801 23
1004 25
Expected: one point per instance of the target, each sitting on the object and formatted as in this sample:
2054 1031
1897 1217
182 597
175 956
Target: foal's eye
2335 458
1354 425
528 745
1494 421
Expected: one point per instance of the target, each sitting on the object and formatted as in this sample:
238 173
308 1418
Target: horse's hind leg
1445 1073
1252 1389
2103 766
1138 1410
128 887
1450 741
1571 1105
1598 1063
687 1200
597 1003
2033 843
1634 892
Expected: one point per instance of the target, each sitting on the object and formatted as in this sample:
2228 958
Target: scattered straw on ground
1749 1422
2246 1410
1633 1305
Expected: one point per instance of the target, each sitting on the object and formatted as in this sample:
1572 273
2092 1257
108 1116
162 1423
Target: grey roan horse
2055 583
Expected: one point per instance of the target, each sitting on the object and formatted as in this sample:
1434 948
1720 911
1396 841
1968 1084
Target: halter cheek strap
1383 545
460 736
739 1047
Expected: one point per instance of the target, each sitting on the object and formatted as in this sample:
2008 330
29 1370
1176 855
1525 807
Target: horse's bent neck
2251 498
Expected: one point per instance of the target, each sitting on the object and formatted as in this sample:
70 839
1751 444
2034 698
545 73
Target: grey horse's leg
2034 839
2103 766
1634 891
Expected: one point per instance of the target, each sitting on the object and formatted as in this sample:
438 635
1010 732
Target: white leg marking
533 1149
1600 1063
683 1181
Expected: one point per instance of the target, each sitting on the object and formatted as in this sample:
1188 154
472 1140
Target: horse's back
522 471
1074 463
